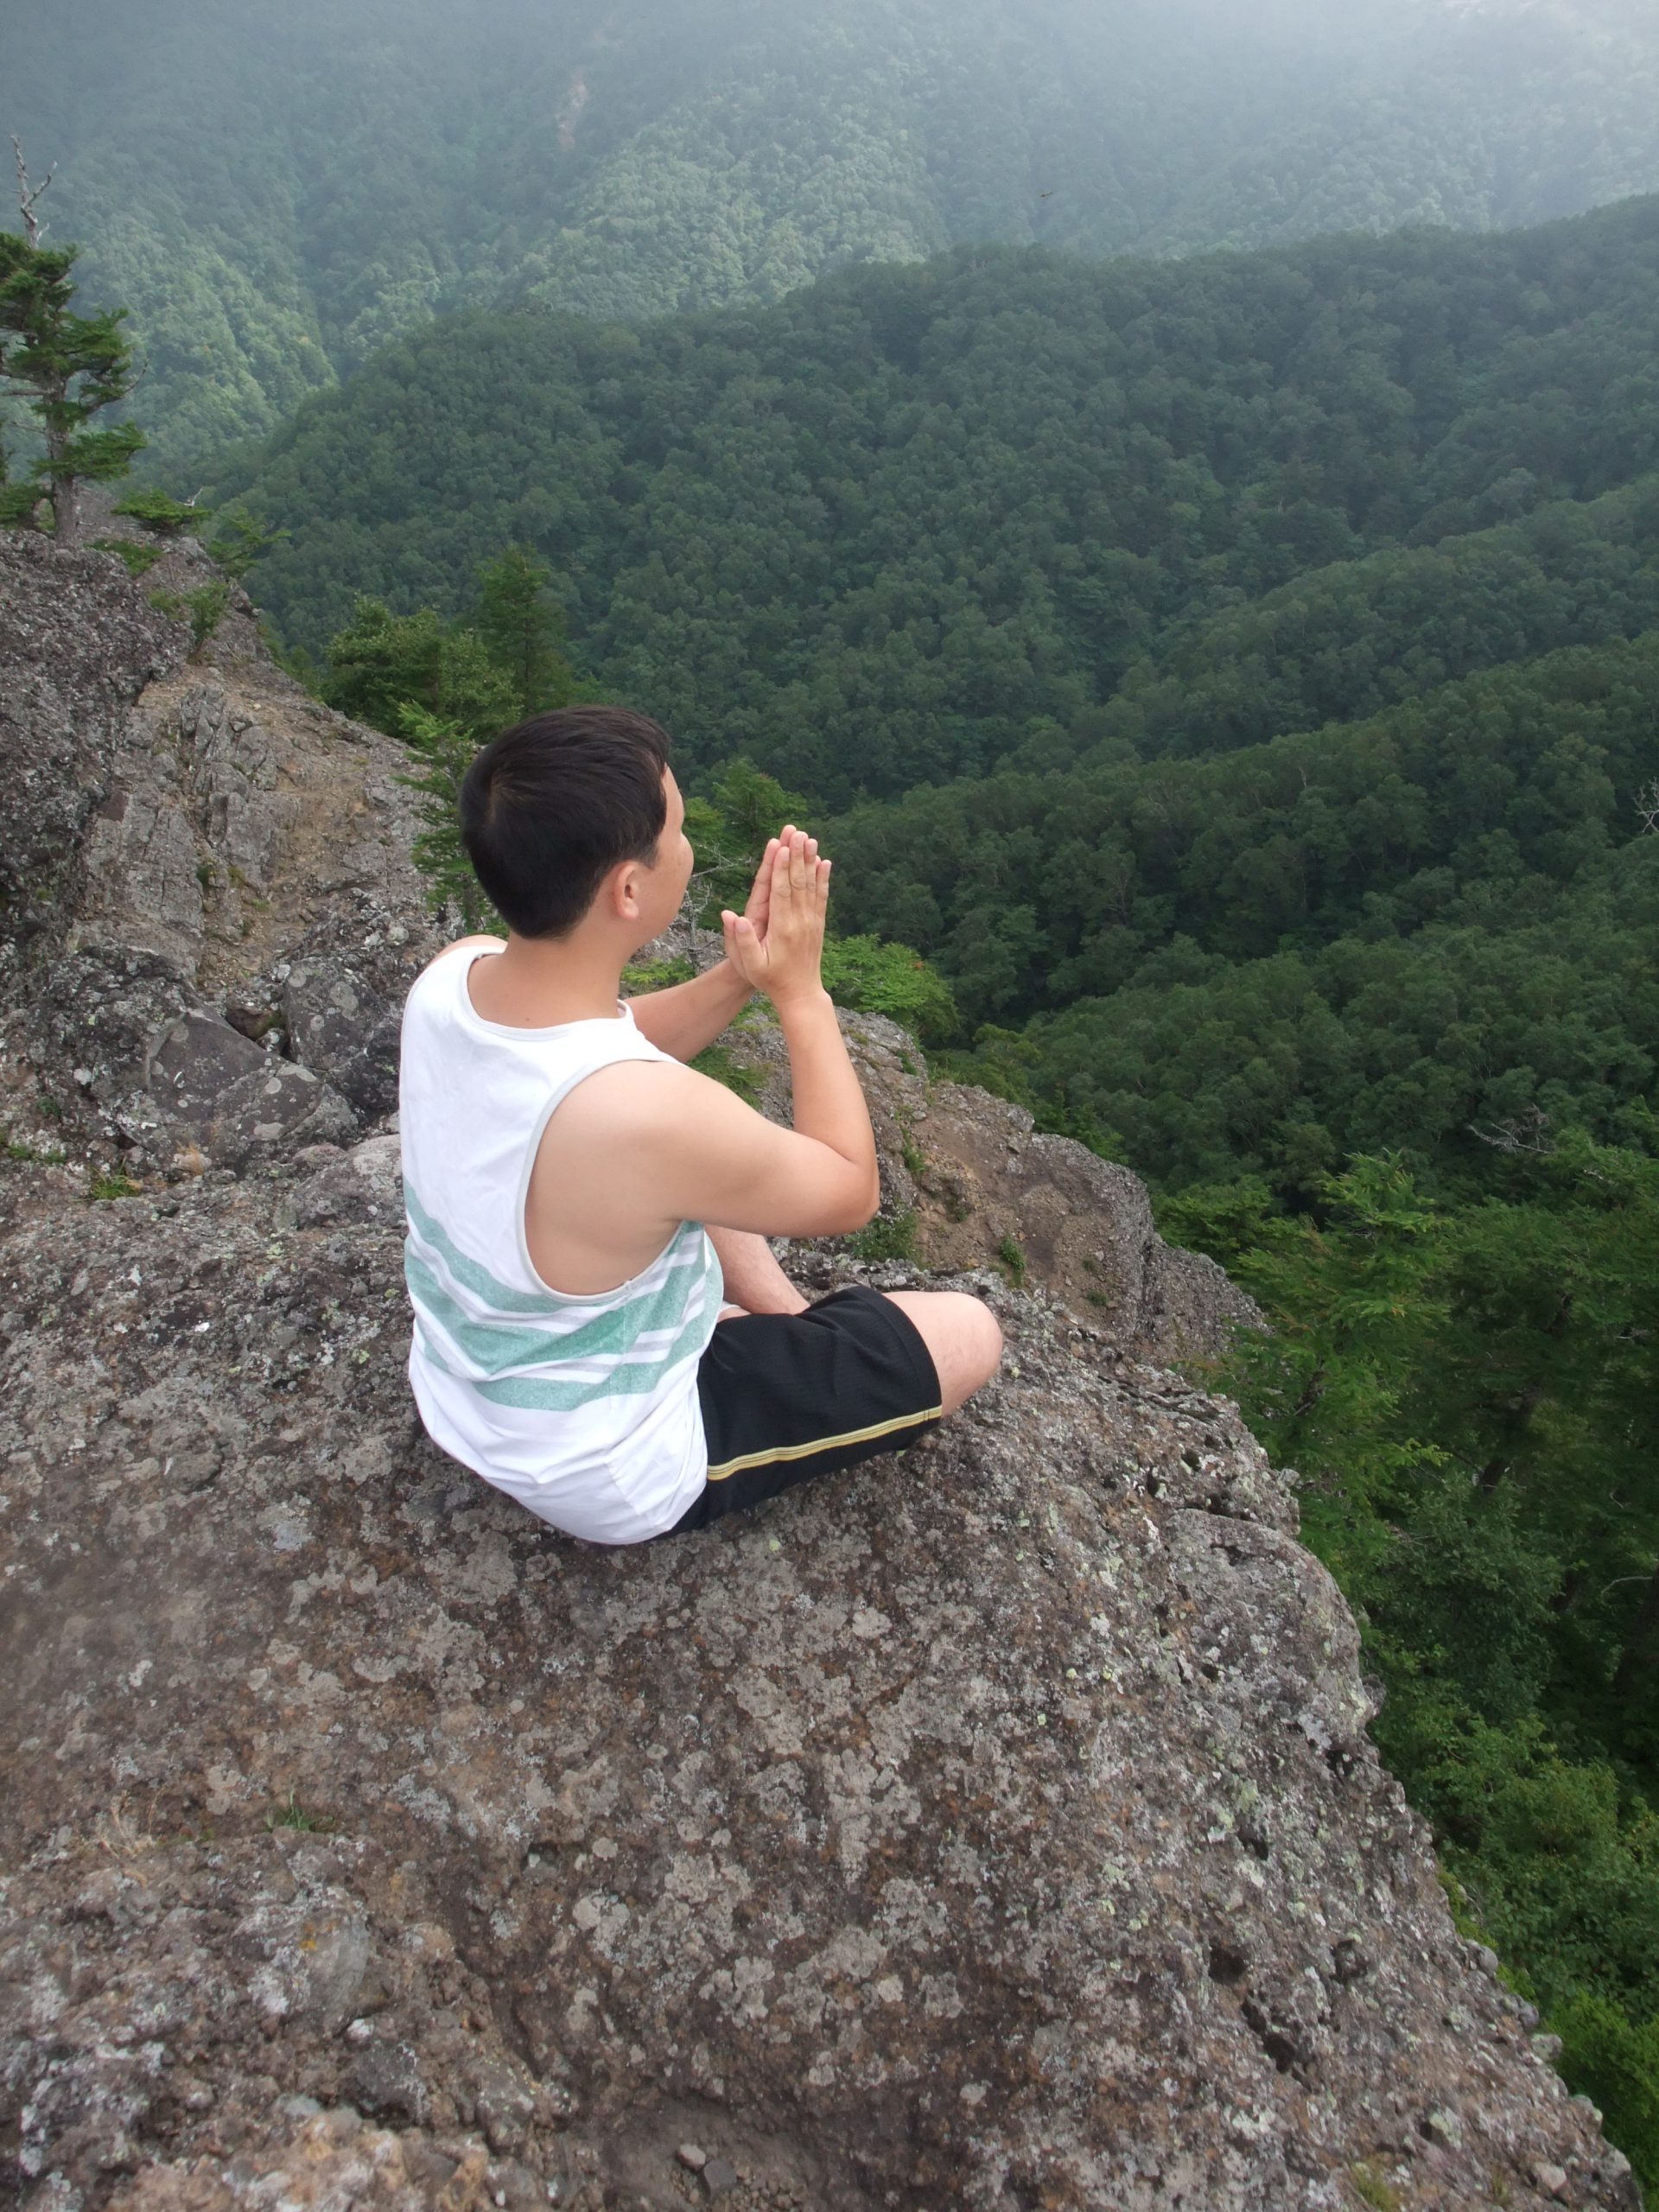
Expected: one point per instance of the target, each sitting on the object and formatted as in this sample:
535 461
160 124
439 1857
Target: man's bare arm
686 1017
784 959
696 1152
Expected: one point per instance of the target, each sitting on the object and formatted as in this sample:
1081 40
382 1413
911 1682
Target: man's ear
623 890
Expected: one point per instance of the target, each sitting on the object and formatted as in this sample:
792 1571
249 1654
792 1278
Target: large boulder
78 644
992 1826
342 1026
185 822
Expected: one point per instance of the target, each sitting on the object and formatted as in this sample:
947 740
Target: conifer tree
67 367
522 628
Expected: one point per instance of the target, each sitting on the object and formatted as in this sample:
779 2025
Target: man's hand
777 944
759 901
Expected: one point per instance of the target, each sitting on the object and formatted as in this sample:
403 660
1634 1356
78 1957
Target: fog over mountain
276 194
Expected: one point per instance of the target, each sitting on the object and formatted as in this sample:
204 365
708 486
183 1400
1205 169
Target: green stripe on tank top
499 1346
477 1278
543 1393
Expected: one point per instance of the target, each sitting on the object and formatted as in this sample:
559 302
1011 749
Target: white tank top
583 1408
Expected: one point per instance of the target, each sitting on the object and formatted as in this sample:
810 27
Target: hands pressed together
775 944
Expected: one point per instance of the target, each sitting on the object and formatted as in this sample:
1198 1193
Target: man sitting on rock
571 1344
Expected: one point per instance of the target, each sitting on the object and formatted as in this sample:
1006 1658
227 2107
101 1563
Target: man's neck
539 982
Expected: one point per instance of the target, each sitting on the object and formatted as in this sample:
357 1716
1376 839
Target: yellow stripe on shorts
823 1444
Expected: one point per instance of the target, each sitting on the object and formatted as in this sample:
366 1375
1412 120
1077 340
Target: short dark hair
550 806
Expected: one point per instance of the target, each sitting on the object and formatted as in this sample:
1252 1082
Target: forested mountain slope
276 194
1252 661
900 526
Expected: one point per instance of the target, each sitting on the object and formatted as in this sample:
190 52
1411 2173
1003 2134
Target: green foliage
138 559
1466 1389
446 688
295 661
875 977
153 511
443 753
1615 2062
728 827
889 1237
1372 2189
913 524
1011 1259
205 608
292 1815
241 539
644 976
718 1064
114 1185
381 663
366 167
522 628
67 368
33 1156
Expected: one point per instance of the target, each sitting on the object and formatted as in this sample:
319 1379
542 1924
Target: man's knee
984 1339
964 1336
975 1336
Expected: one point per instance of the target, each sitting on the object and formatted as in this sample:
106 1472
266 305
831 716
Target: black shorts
789 1395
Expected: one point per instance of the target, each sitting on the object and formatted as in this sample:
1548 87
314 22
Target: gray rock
504 2102
386 2082
891 1822
78 644
198 1058
172 824
269 1108
340 1025
361 1185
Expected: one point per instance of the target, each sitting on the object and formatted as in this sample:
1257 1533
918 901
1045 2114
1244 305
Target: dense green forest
912 524
1240 678
276 194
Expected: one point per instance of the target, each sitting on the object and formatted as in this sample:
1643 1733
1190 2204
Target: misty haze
274 194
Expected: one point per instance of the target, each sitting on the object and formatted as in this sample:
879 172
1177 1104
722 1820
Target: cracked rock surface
993 1826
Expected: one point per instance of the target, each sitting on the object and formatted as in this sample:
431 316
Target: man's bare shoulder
650 1101
651 1135
495 944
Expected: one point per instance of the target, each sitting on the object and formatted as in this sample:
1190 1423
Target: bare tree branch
28 196
1528 1131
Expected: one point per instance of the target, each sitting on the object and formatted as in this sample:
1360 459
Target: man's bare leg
965 1337
754 1282
962 1335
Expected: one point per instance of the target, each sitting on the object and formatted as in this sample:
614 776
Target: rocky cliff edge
994 1827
